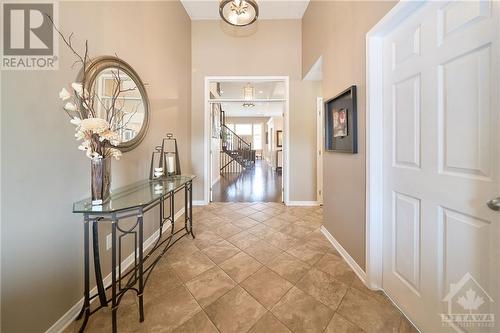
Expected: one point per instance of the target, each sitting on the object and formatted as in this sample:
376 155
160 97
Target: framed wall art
279 138
341 127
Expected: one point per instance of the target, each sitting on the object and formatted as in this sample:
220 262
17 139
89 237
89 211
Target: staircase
236 154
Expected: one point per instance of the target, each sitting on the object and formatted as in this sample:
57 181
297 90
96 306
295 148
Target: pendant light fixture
248 95
239 12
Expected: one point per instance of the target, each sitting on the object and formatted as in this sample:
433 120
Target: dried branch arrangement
98 123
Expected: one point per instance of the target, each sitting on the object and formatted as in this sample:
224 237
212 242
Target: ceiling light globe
239 12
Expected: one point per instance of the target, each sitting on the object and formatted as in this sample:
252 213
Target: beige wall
274 48
42 170
336 30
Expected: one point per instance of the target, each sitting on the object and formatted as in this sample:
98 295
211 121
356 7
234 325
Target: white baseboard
63 322
199 203
303 203
358 270
66 319
350 261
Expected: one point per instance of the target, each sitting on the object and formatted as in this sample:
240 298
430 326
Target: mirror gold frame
95 67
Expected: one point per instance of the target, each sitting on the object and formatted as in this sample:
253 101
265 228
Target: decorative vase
100 180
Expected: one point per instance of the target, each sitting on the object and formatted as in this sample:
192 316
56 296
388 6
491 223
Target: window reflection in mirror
128 113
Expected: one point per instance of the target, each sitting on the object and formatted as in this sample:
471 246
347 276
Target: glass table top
139 194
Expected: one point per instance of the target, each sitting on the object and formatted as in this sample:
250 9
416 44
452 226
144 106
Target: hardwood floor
260 184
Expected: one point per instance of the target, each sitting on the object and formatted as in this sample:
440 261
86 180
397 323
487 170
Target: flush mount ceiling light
248 95
239 12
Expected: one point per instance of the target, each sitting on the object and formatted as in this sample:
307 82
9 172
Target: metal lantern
157 168
170 154
165 159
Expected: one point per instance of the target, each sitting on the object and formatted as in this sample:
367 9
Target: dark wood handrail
249 145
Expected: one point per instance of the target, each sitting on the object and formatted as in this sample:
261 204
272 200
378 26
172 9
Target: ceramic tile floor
255 267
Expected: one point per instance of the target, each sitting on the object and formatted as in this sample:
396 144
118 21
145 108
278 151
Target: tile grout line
286 293
243 288
239 284
189 291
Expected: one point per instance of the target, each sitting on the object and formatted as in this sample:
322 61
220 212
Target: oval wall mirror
120 94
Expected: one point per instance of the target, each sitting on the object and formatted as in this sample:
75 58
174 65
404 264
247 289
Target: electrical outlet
108 242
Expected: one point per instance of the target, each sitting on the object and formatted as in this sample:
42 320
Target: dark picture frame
279 138
341 123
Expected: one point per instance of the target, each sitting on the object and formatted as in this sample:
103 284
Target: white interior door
441 165
319 151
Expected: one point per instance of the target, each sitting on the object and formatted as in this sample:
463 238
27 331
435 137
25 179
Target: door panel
441 163
464 93
406 126
406 240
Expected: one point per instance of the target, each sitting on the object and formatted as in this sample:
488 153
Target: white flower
76 121
79 135
113 137
85 145
70 107
94 125
64 94
78 88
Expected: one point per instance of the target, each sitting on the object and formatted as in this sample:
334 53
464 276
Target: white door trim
374 135
206 141
320 139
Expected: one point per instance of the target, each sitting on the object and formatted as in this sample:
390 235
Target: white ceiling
262 89
268 98
268 9
261 109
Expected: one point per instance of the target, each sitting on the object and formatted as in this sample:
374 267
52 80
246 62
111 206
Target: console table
131 201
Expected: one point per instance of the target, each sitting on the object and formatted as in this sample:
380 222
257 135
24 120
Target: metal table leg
97 263
86 302
190 185
172 214
141 267
114 305
188 208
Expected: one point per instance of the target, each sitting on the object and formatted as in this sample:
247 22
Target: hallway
259 184
258 268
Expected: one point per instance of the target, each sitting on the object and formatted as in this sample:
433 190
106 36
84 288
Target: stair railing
236 153
232 141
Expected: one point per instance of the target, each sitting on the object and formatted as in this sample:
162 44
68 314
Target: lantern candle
170 164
